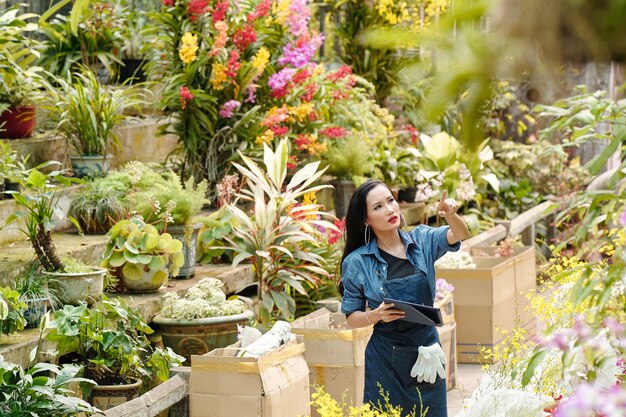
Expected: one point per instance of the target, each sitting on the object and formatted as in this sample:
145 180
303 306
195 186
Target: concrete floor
469 376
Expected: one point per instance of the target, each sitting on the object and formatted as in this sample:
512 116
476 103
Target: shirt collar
372 247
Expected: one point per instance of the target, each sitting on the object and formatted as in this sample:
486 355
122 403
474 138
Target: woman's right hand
386 313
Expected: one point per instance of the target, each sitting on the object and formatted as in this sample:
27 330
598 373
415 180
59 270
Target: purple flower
300 54
593 400
622 218
251 94
280 80
229 108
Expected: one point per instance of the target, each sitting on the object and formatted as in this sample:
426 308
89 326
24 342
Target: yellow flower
280 10
260 60
266 137
218 76
301 112
189 48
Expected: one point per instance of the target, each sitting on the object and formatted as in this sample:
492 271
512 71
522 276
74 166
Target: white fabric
508 403
249 335
276 336
429 364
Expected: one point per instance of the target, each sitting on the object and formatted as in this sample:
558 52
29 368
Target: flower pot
200 336
91 166
188 235
10 186
341 196
407 194
150 280
78 287
36 309
106 397
132 72
17 122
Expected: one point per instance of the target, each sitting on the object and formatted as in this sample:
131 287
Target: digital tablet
417 313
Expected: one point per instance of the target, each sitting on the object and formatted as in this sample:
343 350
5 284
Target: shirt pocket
402 360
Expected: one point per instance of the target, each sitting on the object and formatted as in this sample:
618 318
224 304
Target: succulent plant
136 246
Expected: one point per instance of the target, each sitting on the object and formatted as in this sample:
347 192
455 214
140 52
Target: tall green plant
38 207
272 237
86 112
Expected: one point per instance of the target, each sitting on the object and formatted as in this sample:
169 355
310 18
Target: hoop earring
368 234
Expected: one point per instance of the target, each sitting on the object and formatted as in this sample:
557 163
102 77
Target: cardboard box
274 385
335 354
447 337
490 298
446 305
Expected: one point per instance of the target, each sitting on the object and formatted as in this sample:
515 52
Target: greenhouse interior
327 208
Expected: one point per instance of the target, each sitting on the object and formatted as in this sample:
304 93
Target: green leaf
535 360
117 259
132 272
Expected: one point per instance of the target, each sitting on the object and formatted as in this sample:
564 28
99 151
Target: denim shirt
364 270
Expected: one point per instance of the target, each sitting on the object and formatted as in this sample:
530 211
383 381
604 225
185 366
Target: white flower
456 260
205 299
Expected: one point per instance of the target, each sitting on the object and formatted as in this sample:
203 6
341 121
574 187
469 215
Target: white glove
429 363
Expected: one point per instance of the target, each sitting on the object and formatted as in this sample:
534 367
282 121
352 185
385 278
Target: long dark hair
355 220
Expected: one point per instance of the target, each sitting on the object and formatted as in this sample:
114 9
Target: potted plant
18 79
133 29
43 390
37 207
185 200
141 256
110 342
272 237
86 114
348 160
202 320
99 205
11 311
35 292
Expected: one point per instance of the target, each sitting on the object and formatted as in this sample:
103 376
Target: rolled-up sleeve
437 239
353 294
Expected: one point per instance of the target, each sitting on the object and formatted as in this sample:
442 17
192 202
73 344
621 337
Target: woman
403 359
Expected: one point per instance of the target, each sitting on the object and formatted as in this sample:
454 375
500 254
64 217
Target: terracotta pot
17 122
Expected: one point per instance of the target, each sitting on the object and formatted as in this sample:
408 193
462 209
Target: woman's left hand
447 206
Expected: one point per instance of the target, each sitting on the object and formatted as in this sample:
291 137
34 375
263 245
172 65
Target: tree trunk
47 246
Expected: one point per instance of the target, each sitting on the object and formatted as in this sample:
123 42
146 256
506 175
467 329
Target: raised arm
447 209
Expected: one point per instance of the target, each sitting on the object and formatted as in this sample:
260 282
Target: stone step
16 257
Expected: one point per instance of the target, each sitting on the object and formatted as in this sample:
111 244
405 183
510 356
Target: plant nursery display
111 345
202 320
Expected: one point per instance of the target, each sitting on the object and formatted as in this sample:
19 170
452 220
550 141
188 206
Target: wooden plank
532 216
156 400
485 238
